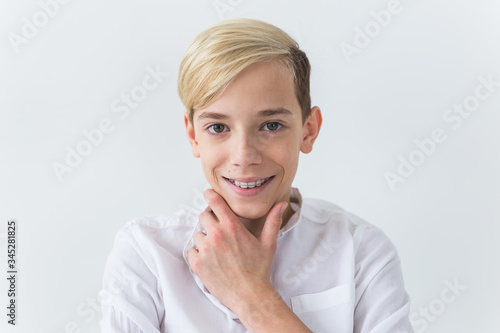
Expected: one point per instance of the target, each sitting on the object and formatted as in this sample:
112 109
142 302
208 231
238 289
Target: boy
259 258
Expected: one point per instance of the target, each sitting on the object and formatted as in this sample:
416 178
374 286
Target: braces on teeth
249 185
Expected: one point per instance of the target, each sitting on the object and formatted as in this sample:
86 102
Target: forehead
259 87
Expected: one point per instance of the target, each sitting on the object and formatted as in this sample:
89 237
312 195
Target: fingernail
283 207
206 195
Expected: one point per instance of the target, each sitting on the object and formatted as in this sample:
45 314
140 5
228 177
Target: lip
247 192
248 179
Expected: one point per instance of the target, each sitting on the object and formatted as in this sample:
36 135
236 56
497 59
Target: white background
443 219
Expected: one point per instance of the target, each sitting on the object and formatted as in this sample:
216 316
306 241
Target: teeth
249 185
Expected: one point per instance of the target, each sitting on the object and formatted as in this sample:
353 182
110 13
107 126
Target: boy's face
249 139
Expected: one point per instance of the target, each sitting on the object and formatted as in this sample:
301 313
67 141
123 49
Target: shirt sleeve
130 297
381 304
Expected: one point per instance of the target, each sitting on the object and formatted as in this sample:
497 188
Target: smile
250 184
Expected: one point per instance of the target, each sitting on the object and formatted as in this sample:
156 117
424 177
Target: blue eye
217 128
272 126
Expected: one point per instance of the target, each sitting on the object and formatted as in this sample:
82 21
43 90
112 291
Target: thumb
272 226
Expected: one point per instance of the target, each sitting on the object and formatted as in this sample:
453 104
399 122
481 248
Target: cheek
211 161
287 157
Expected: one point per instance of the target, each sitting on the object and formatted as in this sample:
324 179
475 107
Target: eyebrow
263 113
274 112
212 115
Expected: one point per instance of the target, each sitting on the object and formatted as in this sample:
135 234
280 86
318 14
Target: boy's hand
232 263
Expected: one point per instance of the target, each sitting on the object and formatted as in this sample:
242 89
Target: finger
219 206
207 219
194 260
199 238
272 226
191 254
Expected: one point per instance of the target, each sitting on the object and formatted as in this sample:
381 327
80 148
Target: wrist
265 311
260 308
253 298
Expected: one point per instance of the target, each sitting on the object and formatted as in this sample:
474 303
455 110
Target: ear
191 136
311 130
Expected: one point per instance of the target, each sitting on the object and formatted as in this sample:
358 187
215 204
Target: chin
250 212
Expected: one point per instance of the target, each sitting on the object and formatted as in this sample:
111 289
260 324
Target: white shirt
335 271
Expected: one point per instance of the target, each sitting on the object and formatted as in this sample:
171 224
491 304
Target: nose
245 150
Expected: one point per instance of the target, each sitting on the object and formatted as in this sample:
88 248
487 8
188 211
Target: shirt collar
296 203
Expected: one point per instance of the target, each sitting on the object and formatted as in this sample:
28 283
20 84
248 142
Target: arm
235 266
267 312
129 298
382 304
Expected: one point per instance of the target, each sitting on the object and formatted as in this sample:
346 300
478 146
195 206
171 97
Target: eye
272 126
217 128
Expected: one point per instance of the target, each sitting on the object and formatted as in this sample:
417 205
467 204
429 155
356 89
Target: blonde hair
218 54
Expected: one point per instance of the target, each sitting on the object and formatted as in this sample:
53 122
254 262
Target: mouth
249 184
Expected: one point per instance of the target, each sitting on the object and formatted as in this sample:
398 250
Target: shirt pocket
326 311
